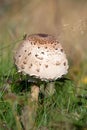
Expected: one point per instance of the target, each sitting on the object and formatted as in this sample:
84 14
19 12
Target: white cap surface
42 56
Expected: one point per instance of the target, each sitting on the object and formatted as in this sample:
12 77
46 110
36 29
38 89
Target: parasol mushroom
41 56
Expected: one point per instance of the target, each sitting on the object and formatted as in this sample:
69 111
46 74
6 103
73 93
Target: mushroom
41 56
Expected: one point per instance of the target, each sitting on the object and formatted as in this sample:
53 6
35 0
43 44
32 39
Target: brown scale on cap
41 55
46 66
25 50
30 65
38 57
42 39
29 53
24 62
19 55
37 70
58 63
64 63
22 67
61 50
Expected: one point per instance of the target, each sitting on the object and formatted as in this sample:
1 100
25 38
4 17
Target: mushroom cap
42 56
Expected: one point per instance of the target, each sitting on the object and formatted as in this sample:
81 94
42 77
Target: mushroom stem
29 111
35 93
28 115
50 89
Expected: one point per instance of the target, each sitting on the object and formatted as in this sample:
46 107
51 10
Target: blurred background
66 19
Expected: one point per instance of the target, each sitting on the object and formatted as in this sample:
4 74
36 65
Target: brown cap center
43 35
